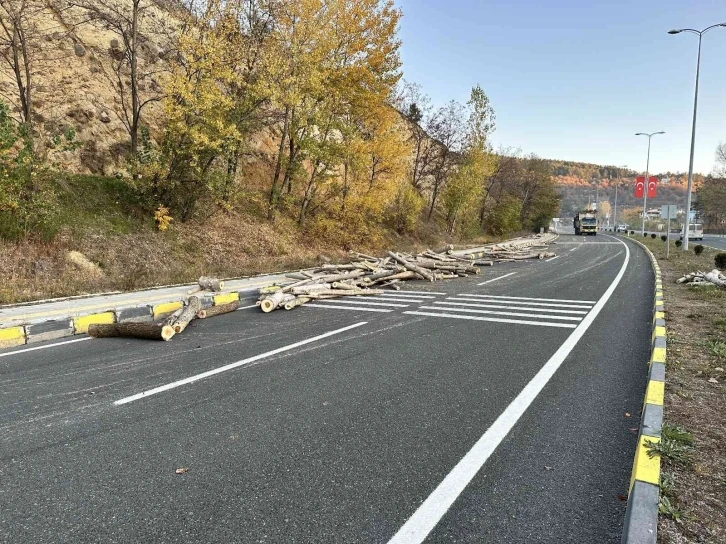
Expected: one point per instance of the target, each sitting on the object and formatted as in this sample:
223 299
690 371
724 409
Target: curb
41 330
641 515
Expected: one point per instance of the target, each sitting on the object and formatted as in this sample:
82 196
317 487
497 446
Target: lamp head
674 31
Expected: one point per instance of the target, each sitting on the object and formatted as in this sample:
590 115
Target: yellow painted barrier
12 336
81 324
161 310
225 298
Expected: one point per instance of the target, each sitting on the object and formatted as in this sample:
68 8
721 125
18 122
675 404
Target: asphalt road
429 417
719 242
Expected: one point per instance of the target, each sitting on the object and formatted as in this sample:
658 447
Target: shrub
653 236
663 237
720 261
698 249
645 235
679 243
632 232
404 210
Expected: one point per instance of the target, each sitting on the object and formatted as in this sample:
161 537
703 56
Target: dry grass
696 322
227 245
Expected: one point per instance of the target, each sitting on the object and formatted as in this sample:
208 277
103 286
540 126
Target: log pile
714 277
163 330
365 275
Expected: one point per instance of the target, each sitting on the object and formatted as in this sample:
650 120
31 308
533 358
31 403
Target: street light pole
700 33
647 173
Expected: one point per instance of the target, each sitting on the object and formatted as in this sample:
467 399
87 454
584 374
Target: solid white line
45 346
246 307
522 303
591 302
231 366
493 312
396 299
501 305
420 524
365 302
495 319
396 294
552 258
356 308
496 279
419 292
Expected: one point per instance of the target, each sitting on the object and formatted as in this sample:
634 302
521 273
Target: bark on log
188 313
149 331
210 284
412 267
299 301
274 301
218 310
405 275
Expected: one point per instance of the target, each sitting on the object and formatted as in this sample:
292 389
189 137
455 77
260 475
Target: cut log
187 314
149 331
218 310
405 275
274 301
299 301
210 284
425 274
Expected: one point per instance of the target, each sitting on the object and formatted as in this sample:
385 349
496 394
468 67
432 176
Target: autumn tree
720 168
124 19
711 201
415 106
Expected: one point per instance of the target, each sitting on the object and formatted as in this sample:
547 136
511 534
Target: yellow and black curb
78 323
641 516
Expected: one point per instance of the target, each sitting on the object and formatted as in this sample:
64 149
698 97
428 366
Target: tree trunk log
218 310
210 284
188 313
412 267
299 301
274 301
149 331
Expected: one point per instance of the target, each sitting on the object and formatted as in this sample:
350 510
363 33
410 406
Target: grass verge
693 450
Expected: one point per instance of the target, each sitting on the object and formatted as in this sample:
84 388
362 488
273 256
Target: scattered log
218 310
210 284
425 274
299 301
275 300
187 314
149 331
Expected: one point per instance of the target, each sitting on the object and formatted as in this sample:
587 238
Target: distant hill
579 183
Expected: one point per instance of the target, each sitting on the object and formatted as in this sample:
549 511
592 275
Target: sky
576 79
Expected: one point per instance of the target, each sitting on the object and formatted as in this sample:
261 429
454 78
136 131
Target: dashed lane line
496 279
232 366
337 301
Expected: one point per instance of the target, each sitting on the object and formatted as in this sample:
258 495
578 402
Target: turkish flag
652 184
639 186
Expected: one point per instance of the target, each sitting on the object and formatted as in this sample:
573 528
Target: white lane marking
246 307
575 248
397 294
496 279
420 292
356 308
552 258
591 302
523 303
395 299
494 312
425 518
365 302
501 305
231 366
495 319
44 347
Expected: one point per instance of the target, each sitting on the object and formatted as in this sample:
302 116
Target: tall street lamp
693 130
647 171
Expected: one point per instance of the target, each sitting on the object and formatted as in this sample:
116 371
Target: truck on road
585 222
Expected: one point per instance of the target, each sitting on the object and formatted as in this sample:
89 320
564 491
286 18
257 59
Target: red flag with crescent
652 185
639 186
